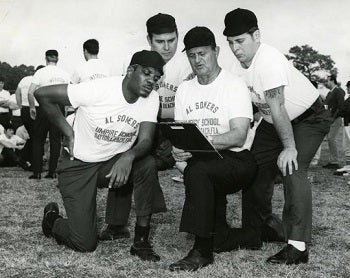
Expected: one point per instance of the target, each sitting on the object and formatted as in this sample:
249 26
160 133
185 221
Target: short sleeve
272 71
239 100
82 94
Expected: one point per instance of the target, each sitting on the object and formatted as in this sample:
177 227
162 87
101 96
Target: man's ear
130 70
257 35
217 50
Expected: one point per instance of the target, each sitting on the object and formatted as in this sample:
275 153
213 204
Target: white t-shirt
105 124
91 70
212 106
15 112
175 72
271 69
50 75
4 95
10 143
24 85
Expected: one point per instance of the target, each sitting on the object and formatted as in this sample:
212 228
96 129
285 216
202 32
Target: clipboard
188 136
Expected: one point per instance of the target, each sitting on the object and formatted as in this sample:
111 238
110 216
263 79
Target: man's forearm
283 127
141 149
232 138
31 99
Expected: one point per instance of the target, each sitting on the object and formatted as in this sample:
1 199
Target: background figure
334 102
22 102
49 75
94 68
10 146
16 119
5 115
345 113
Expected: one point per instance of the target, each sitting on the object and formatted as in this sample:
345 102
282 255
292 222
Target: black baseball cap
199 36
239 21
148 58
51 53
161 23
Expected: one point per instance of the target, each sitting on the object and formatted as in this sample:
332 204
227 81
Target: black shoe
144 250
46 225
339 173
50 176
113 232
192 262
289 255
35 176
272 230
331 166
237 238
25 165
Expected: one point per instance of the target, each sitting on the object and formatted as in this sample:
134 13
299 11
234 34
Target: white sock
300 245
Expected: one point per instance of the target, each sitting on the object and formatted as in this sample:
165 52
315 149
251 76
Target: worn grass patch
25 252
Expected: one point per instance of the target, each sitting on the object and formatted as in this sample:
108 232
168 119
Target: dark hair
39 67
161 24
8 125
91 46
333 78
252 30
2 78
348 84
52 55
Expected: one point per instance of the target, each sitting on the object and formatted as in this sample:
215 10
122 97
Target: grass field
25 252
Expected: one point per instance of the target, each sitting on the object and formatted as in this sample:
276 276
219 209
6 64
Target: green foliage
313 65
13 75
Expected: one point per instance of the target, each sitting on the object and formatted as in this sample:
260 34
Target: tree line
13 75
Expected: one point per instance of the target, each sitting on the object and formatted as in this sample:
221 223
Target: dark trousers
41 127
119 205
207 182
16 122
5 118
28 124
78 182
297 211
11 157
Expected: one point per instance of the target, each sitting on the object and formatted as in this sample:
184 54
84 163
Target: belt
316 106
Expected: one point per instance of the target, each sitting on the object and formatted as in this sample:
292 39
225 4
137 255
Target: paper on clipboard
188 136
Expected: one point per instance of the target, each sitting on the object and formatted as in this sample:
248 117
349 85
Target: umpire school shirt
105 123
212 106
271 69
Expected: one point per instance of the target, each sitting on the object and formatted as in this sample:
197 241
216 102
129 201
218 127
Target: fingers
117 179
283 165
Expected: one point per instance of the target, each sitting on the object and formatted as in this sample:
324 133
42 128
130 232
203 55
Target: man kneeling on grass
112 113
221 106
